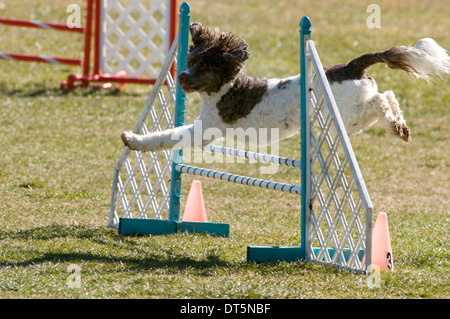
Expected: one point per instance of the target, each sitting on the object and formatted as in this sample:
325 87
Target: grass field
59 151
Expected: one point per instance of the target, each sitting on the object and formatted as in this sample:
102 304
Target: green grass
59 151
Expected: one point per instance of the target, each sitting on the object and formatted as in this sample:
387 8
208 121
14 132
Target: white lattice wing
141 185
340 210
135 36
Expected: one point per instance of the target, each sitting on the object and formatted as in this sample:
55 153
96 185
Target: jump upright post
336 211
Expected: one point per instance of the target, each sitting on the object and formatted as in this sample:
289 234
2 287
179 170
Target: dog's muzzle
183 80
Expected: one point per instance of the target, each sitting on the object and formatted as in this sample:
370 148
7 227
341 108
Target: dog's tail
424 59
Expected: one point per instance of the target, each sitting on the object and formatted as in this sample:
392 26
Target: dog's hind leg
401 129
390 114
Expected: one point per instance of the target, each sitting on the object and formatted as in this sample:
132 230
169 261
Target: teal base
138 226
260 254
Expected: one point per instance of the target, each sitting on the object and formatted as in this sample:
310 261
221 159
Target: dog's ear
238 50
241 53
199 33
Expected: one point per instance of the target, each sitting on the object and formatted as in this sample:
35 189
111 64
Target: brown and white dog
231 99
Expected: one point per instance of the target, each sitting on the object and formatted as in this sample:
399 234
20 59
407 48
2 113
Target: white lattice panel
135 36
340 209
141 185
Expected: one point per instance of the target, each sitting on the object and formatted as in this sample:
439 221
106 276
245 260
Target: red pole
173 21
172 30
87 40
97 40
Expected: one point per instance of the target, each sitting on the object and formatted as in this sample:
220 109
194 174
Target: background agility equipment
128 40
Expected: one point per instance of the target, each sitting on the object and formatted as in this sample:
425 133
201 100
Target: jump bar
39 58
238 179
259 157
41 25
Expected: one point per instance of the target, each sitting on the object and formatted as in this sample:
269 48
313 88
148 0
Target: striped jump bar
259 157
39 58
41 25
238 179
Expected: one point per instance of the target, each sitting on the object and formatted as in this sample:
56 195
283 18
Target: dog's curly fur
231 99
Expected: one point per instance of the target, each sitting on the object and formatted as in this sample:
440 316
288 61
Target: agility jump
336 210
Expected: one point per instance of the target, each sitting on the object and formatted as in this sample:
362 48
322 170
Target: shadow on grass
104 236
98 235
145 263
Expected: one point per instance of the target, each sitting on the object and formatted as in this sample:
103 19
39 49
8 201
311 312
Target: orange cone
381 244
195 206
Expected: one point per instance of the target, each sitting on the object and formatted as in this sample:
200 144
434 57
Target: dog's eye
189 63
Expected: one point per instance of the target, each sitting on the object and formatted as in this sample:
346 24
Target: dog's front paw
128 139
406 134
402 131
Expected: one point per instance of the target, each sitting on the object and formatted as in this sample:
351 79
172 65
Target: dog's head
213 60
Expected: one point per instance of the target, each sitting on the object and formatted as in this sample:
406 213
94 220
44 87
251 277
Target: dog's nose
182 77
